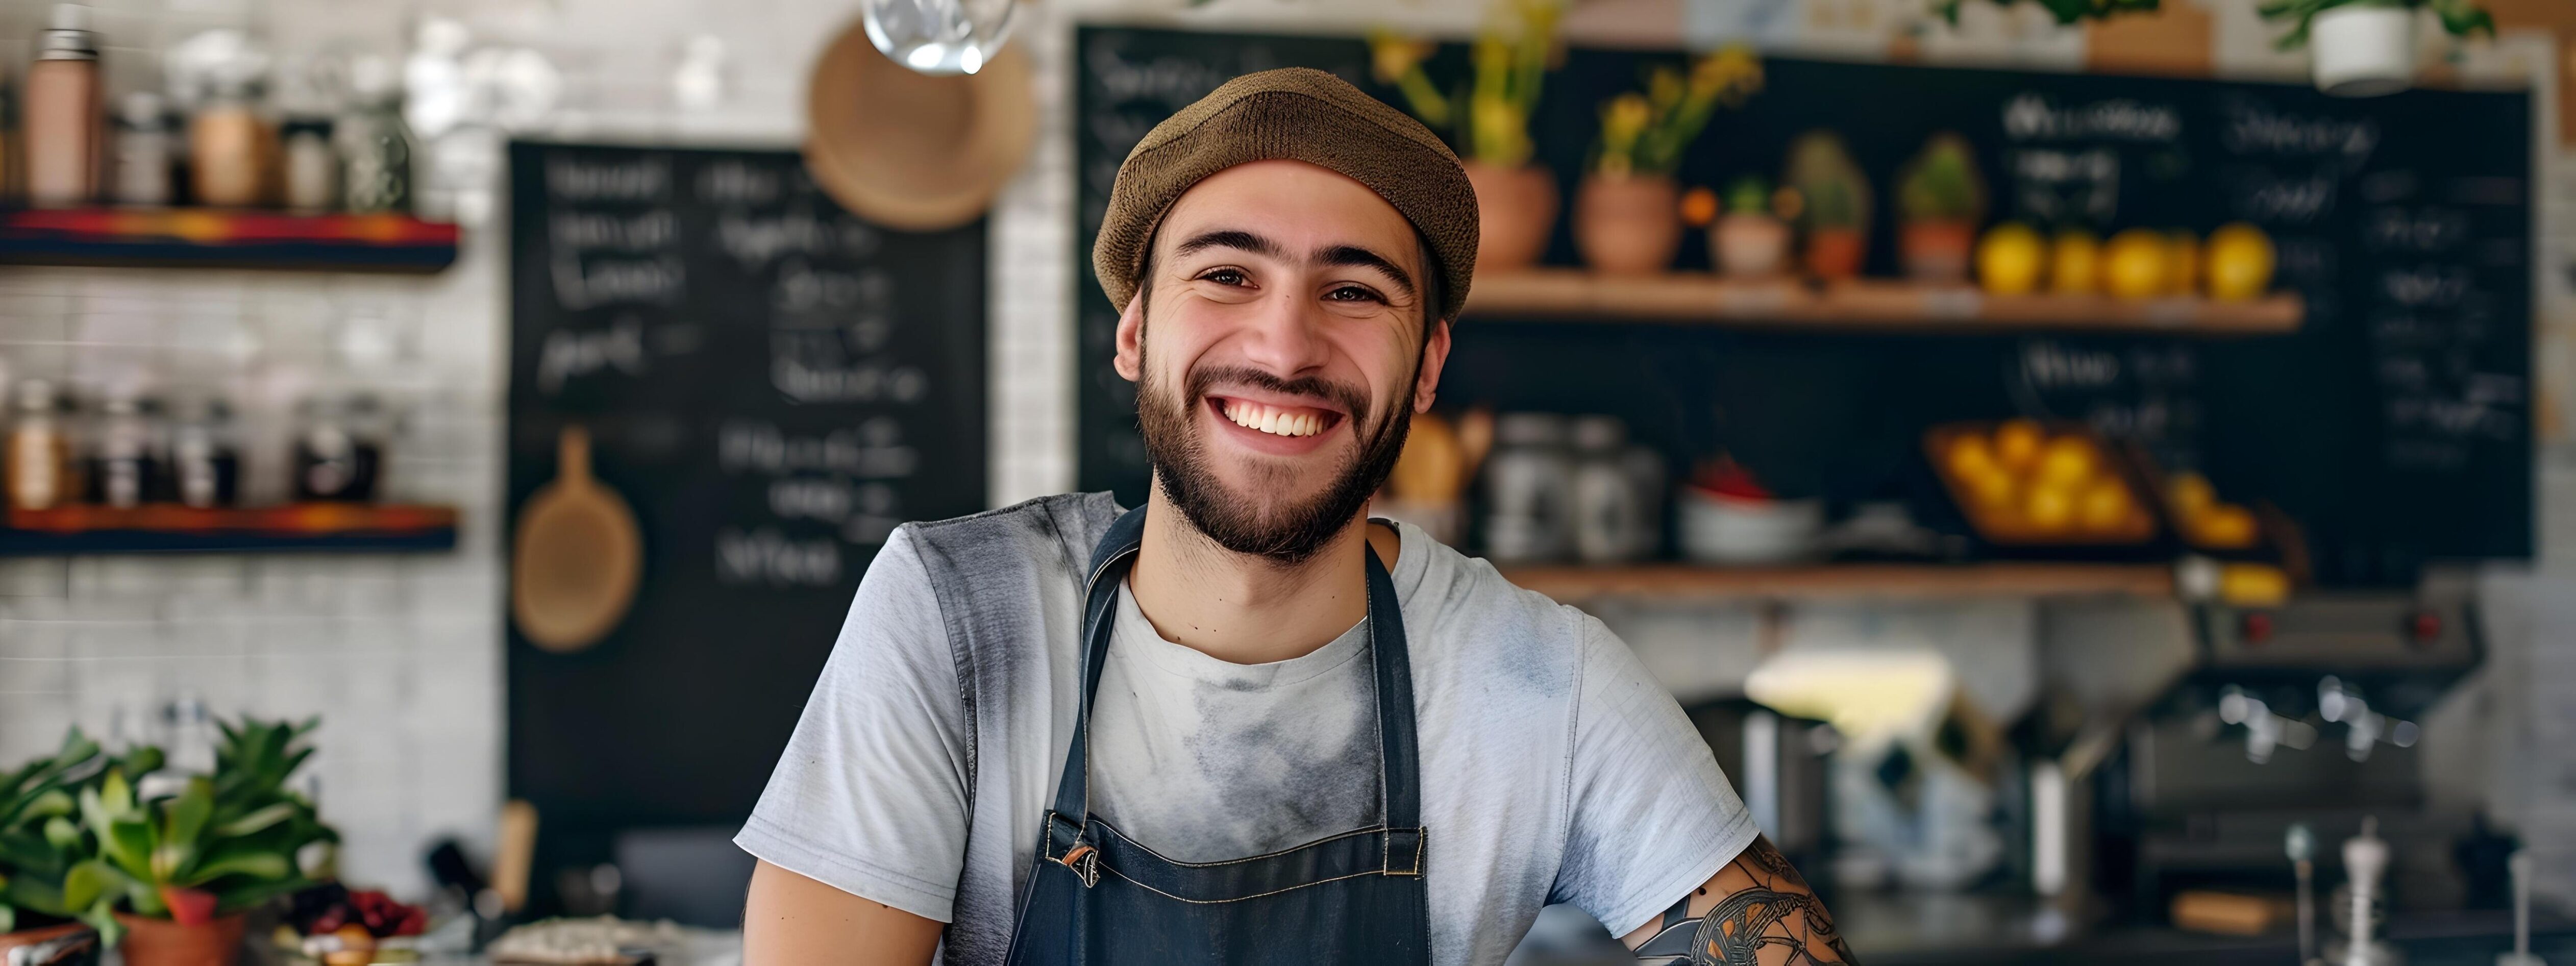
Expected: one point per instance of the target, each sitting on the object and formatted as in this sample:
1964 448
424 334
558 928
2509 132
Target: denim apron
1097 897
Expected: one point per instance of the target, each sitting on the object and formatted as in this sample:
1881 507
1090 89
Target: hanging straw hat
910 151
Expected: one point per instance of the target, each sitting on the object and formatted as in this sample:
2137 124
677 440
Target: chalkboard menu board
2394 426
772 385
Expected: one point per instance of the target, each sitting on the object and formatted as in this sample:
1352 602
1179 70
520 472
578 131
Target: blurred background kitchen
2100 472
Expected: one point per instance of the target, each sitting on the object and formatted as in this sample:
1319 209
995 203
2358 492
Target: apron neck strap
1398 753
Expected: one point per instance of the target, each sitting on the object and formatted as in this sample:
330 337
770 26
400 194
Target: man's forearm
1756 911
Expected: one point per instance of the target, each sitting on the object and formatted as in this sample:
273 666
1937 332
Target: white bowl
1720 529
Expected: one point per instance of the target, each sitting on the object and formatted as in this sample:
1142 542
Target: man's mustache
1351 399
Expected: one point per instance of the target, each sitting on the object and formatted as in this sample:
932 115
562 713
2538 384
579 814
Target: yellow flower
1391 57
1730 74
1625 117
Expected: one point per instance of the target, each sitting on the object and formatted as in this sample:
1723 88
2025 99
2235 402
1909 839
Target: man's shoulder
1457 590
1048 532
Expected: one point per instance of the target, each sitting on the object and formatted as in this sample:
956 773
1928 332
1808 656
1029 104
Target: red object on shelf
2257 628
216 227
2426 626
291 519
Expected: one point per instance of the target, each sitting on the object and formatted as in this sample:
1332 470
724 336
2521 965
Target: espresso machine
2305 714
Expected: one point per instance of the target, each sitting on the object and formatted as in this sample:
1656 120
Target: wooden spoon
573 569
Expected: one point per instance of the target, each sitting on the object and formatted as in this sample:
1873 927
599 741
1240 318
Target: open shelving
213 238
160 528
1860 581
1687 298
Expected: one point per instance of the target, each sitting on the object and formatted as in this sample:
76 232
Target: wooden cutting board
578 555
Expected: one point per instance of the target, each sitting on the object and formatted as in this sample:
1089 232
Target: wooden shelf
1669 581
209 238
1557 294
160 528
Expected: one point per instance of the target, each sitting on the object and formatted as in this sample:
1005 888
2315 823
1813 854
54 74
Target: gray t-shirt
1553 768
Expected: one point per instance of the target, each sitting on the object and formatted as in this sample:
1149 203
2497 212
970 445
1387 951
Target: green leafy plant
1645 133
1942 184
41 837
1831 191
2066 11
1749 195
226 842
1488 117
2462 18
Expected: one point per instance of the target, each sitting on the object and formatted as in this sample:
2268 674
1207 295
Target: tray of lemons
2022 482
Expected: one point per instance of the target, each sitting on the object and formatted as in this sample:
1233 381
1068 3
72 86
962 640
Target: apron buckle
1085 863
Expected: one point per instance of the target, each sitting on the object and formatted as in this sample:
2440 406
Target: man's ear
1130 360
1435 354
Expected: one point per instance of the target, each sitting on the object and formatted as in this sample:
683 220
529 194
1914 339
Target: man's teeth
1272 419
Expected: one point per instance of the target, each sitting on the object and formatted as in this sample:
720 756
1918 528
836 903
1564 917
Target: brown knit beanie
1298 114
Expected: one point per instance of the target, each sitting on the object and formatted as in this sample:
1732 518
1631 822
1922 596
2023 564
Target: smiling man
1244 723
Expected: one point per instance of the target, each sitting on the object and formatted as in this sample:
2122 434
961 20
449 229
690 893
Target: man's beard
1286 534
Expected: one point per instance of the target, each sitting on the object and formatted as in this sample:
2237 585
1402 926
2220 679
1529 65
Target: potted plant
1488 121
1942 199
1832 204
179 871
1749 241
1627 216
2365 48
40 842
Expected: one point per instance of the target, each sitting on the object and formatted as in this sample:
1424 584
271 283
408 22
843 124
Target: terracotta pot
1834 254
1629 225
1936 251
1750 246
161 942
1515 212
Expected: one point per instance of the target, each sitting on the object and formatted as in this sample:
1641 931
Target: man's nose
1286 335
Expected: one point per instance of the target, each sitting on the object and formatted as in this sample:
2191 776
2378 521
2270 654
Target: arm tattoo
1766 916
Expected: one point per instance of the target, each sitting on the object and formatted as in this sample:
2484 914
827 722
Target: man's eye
1223 276
1353 293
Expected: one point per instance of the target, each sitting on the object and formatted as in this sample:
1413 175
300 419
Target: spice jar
1611 519
375 145
312 165
62 110
339 449
144 152
1529 489
122 464
39 453
230 147
205 459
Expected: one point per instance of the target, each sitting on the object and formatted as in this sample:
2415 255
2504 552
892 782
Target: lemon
2011 259
2226 526
2190 494
1968 457
2239 262
2051 509
2253 585
2075 264
2137 264
1994 489
2017 444
2066 461
2105 506
2183 264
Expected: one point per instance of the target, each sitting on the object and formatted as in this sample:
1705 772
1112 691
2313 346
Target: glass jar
311 166
1610 513
144 152
123 458
339 449
375 145
230 147
1529 490
39 461
205 457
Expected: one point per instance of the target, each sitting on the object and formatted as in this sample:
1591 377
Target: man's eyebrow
1364 258
1235 238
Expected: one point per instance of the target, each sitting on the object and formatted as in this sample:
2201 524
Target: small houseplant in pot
1942 198
180 870
1487 121
2365 48
1750 242
1627 218
1832 204
40 842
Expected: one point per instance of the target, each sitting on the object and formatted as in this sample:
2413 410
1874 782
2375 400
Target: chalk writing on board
573 232
2252 127
764 556
737 182
2032 116
642 179
588 283
2141 393
2054 185
568 353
